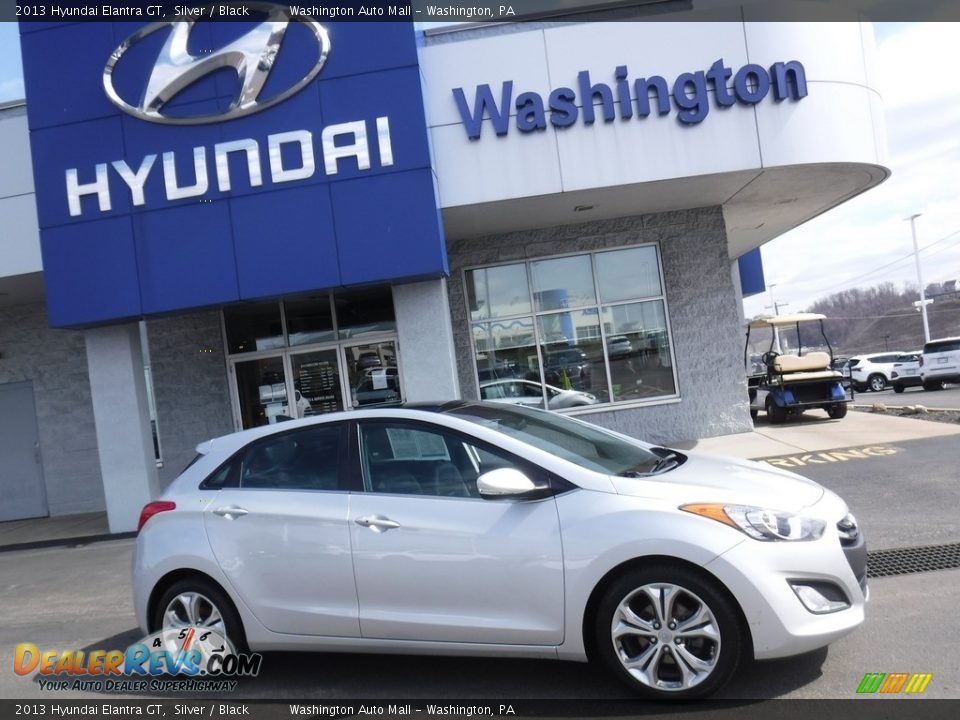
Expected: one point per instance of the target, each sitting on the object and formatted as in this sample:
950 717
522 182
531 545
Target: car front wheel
877 382
668 633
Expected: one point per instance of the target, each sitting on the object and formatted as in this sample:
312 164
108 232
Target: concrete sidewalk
811 433
60 530
816 432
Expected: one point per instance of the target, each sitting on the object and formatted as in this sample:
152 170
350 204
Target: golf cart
785 384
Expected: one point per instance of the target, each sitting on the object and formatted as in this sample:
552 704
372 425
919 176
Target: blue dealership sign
189 163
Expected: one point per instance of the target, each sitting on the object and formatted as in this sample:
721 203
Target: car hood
709 478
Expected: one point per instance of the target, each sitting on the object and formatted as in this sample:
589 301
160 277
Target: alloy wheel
666 637
193 608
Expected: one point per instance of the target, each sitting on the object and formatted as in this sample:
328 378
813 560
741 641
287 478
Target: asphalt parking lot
903 491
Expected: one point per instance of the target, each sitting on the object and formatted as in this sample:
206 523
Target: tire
877 382
897 388
837 411
170 610
775 413
933 385
636 642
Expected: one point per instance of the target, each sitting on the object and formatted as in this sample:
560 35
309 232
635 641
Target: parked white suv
940 363
873 372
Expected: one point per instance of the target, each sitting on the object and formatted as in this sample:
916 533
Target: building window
311 355
581 329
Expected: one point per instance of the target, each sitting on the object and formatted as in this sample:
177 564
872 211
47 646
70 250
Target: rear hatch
941 357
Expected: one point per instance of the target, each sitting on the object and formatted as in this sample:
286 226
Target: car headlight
760 523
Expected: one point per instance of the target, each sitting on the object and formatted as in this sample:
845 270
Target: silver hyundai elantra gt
472 528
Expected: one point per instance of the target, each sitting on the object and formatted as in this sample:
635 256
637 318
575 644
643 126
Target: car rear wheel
933 384
877 382
198 602
897 388
668 633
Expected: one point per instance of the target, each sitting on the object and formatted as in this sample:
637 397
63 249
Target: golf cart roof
783 320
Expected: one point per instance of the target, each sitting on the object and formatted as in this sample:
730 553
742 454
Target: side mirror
510 483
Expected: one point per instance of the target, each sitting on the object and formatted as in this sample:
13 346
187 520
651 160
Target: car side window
301 460
225 476
403 459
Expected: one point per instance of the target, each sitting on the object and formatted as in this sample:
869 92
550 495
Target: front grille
904 561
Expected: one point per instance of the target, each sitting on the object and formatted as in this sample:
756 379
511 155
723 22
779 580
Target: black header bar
481 11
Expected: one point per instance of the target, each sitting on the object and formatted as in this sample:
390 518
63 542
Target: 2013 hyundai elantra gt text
472 528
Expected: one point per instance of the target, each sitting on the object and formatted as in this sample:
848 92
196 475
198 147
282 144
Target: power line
894 262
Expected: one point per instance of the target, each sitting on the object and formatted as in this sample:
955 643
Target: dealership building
213 226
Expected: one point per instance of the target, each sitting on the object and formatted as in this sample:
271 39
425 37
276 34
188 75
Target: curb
900 407
67 542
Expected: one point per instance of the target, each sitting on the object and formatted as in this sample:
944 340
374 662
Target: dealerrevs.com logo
192 658
894 683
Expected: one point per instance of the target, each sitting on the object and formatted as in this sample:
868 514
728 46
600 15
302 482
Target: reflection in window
639 350
253 326
498 292
570 363
574 349
506 349
309 320
628 274
563 283
373 374
256 327
360 312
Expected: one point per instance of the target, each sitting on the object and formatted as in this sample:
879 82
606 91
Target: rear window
854 362
942 346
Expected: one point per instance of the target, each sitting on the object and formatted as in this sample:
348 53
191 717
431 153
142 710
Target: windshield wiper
665 463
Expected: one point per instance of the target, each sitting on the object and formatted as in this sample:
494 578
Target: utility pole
923 296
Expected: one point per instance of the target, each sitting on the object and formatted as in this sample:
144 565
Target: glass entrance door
316 382
372 374
262 391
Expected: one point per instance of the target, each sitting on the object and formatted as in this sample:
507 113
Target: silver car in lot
530 393
473 528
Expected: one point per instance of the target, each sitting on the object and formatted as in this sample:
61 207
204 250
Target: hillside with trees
874 319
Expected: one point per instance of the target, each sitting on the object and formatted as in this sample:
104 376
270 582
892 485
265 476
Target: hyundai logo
252 56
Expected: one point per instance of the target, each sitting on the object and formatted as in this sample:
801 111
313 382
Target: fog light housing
820 597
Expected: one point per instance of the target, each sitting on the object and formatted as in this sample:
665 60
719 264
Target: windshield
577 442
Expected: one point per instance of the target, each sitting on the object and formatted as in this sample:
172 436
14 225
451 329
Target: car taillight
151 509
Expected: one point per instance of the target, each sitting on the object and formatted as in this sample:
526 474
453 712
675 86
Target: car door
436 562
278 528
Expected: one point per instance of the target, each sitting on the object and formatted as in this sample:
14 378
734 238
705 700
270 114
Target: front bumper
759 576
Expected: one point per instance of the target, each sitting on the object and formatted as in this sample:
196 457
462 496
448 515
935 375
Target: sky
866 240
854 244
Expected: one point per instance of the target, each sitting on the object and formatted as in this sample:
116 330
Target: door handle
230 512
377 523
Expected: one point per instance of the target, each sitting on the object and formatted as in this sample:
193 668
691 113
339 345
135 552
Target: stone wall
701 301
190 386
55 362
